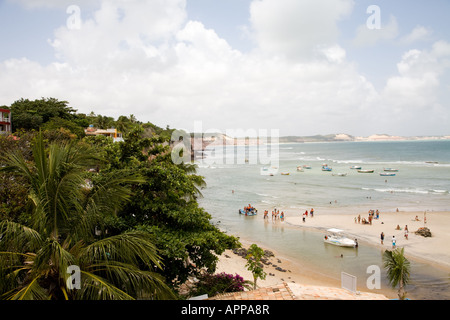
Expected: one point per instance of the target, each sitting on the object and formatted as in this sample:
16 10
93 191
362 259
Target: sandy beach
288 271
296 275
431 249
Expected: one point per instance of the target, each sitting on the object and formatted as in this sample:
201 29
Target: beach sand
306 284
428 249
294 272
432 250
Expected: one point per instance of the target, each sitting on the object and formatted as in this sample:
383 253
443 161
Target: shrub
214 284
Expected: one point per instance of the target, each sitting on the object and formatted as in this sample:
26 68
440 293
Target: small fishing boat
265 171
285 173
387 174
334 236
366 171
326 168
307 167
355 167
340 174
248 212
390 170
299 169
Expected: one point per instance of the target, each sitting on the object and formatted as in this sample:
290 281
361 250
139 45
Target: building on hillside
5 121
112 133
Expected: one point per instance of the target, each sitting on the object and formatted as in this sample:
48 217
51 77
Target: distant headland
215 139
346 137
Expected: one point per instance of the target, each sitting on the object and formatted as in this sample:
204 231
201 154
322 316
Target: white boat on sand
334 236
339 174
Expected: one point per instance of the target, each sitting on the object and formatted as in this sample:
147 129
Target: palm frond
133 247
111 192
133 280
53 258
94 287
31 291
19 238
397 266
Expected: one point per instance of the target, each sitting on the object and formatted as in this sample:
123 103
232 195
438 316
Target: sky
303 67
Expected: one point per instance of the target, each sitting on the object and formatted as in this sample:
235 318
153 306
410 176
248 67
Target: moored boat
355 167
390 170
366 171
248 211
334 236
387 174
325 167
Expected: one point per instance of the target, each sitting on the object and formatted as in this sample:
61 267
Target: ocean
240 175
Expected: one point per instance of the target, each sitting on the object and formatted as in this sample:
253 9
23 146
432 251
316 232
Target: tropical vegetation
398 270
123 212
213 284
253 257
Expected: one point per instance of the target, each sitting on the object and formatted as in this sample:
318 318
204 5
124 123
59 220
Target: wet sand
431 250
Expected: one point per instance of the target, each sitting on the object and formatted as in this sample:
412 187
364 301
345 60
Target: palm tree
34 259
198 182
398 270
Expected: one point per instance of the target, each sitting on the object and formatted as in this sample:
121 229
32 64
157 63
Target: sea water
422 182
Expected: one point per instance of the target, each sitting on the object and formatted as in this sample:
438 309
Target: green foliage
214 284
398 270
254 255
165 206
31 115
65 213
58 123
128 191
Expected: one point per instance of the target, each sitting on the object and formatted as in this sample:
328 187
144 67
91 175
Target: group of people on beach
249 208
394 240
406 231
373 214
305 215
275 215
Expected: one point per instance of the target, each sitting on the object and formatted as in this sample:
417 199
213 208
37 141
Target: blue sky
302 66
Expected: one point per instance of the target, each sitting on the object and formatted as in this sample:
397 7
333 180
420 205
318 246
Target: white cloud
32 4
146 58
419 33
335 54
294 28
414 93
370 37
120 28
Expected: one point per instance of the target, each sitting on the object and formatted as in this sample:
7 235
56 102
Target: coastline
430 250
293 273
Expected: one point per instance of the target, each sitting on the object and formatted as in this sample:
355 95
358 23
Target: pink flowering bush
214 284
